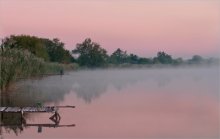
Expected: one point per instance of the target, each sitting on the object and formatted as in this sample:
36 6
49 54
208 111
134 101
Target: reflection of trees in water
17 123
29 93
12 122
88 90
90 85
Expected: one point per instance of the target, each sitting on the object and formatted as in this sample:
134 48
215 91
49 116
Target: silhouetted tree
196 59
178 61
163 58
90 54
143 60
118 57
133 59
56 51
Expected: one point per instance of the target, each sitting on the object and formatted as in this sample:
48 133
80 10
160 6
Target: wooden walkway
32 109
26 109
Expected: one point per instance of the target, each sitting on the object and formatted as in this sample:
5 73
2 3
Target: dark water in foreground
145 103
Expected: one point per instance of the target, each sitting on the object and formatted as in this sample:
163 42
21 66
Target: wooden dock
26 109
48 109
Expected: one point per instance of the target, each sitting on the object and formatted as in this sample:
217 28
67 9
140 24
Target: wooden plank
25 109
2 108
45 109
12 109
40 109
33 109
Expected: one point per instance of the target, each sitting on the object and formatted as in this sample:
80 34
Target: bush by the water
16 64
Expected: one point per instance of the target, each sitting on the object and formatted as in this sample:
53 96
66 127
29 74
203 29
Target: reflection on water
176 103
16 123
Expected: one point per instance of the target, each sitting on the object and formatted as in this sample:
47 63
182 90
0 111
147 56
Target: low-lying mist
91 84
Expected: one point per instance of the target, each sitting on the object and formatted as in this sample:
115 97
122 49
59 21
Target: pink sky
179 27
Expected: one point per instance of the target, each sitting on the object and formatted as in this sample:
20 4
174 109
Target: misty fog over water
126 103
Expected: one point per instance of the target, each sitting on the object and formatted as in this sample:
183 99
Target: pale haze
128 103
181 28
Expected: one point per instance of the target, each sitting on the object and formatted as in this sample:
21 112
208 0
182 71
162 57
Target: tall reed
16 64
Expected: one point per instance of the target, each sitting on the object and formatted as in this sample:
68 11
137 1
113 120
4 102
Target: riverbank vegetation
25 56
29 56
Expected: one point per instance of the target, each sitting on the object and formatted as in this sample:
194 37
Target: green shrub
16 64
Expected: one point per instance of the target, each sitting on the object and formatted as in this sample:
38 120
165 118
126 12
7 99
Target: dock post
22 117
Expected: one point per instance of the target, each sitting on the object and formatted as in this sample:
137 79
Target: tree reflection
29 93
11 122
90 85
16 123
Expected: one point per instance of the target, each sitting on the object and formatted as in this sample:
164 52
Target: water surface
125 103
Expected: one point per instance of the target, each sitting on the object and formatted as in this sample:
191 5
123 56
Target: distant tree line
91 54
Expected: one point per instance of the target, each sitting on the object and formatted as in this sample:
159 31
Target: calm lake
124 103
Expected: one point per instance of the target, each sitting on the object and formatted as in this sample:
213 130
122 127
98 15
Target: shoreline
111 67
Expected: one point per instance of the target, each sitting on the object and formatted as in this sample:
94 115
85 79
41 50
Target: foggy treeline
91 54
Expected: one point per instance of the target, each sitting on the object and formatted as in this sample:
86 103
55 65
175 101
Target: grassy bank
16 64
